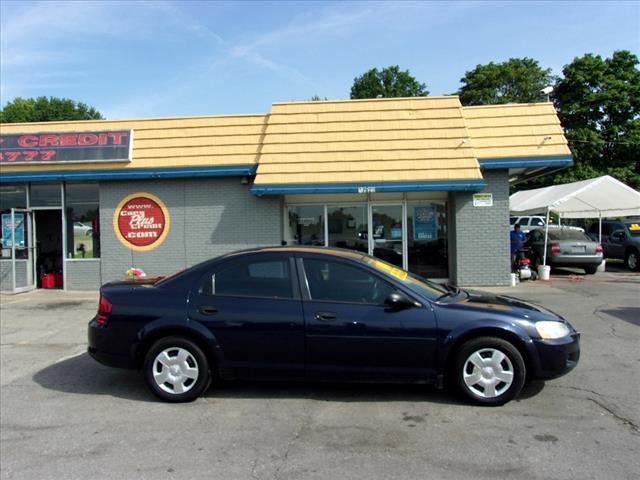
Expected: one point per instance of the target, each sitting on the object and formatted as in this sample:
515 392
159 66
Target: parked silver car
565 248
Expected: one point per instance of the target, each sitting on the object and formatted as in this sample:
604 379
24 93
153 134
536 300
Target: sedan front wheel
490 371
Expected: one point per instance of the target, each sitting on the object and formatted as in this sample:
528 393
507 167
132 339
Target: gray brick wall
209 217
82 274
481 235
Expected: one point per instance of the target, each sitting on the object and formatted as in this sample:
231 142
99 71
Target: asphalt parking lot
62 415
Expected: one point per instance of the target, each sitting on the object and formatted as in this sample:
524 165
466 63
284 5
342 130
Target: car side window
268 278
338 282
536 222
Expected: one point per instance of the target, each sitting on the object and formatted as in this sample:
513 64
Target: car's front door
351 333
253 309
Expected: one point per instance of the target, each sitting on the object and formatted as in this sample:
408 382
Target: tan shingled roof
399 139
515 130
218 140
375 140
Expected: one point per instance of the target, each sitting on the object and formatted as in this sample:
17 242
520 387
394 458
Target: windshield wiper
453 290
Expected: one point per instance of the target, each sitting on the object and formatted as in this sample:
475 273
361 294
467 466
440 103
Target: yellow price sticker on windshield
396 272
634 227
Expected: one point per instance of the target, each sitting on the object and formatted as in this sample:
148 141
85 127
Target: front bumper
557 357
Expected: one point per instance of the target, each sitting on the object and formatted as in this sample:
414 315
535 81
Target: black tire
590 270
174 346
631 260
484 346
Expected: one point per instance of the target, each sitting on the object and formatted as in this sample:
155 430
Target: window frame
306 291
260 258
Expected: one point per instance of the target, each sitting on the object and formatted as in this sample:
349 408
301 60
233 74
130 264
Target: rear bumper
97 336
577 260
557 357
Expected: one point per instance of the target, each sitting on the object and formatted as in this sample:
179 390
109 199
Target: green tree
598 101
43 109
388 82
317 98
518 80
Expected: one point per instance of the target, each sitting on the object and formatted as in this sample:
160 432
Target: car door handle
326 316
207 310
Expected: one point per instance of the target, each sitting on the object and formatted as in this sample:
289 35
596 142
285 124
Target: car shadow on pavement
628 314
82 375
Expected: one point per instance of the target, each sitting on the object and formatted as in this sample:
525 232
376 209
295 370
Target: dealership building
422 183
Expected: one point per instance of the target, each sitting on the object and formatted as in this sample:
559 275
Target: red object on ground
58 280
49 281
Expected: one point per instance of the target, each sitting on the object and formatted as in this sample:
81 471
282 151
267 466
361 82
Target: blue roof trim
446 185
128 174
525 162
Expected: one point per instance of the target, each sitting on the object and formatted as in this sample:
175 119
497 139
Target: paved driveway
65 416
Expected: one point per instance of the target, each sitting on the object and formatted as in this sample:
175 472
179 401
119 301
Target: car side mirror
618 235
400 301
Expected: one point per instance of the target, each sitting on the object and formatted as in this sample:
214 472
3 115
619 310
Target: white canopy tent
595 198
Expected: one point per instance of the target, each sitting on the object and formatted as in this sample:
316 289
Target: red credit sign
141 221
98 146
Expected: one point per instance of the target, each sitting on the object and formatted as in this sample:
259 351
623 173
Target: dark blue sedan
320 313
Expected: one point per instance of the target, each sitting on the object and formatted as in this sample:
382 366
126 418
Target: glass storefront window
305 225
83 220
348 227
420 233
13 196
45 195
387 233
427 239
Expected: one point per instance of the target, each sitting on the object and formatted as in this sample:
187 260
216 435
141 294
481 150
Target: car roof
331 251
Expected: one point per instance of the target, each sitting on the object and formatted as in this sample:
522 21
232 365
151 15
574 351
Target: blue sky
148 59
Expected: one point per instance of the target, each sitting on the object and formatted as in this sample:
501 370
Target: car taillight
555 247
598 248
104 310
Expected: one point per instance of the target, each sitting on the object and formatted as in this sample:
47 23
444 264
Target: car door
615 244
252 307
351 333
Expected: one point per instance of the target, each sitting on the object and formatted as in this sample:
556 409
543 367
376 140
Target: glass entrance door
22 251
388 234
348 227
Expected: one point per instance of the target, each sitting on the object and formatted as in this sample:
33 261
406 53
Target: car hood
494 303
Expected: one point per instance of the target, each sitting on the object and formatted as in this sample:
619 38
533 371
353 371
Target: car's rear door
351 333
253 308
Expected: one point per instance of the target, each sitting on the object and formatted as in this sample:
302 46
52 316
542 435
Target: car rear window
569 234
254 278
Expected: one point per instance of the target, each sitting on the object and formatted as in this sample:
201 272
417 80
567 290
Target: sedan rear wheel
176 370
490 371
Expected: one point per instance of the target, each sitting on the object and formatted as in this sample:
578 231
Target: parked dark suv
620 239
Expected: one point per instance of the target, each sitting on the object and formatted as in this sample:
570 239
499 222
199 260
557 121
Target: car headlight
551 330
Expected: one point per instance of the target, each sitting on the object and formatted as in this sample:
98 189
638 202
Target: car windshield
416 283
634 228
569 234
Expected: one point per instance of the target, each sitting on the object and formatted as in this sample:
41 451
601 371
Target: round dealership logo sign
141 221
